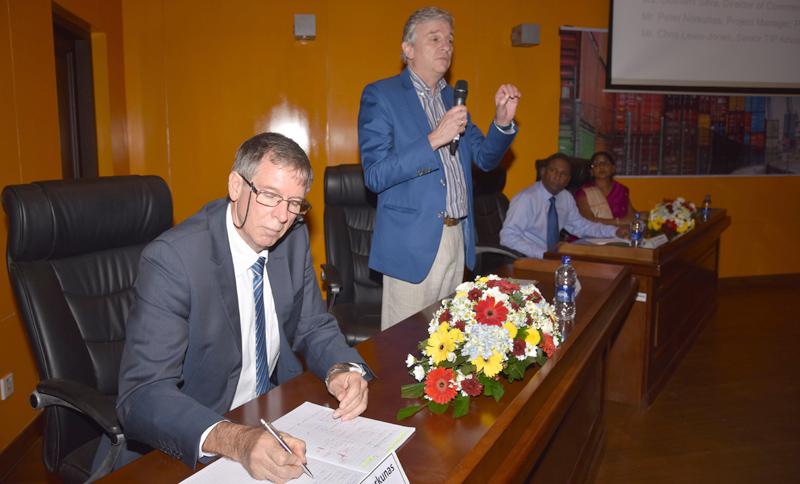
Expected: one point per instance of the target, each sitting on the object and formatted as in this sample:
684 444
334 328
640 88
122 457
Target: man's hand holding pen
258 451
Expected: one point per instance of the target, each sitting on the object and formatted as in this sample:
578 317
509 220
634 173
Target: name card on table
389 471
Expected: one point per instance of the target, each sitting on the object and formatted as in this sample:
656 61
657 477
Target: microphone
460 99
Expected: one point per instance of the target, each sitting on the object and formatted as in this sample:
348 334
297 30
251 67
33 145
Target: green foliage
406 412
460 406
491 387
515 368
412 390
437 408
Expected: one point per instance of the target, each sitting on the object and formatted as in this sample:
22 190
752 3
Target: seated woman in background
602 199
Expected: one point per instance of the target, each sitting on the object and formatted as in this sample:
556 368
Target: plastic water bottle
637 231
706 211
565 291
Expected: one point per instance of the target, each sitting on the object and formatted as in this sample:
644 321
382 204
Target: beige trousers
401 299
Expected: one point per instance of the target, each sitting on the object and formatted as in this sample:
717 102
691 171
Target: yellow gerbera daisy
512 330
533 337
457 335
490 367
440 344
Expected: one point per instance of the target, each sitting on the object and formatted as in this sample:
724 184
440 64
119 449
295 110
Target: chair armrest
500 250
81 398
332 281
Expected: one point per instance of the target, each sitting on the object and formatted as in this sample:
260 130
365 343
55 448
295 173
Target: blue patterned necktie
552 225
262 369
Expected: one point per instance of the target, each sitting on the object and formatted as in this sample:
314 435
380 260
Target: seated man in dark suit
538 213
211 329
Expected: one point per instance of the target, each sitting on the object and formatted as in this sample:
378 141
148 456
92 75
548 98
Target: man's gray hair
425 14
282 151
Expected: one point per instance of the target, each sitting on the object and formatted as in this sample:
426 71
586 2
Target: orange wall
30 145
202 78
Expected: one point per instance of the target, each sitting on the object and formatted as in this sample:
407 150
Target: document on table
336 451
603 241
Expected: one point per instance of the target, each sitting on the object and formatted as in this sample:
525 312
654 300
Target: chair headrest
61 218
488 182
344 185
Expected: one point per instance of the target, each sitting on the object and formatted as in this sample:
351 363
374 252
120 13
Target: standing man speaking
417 146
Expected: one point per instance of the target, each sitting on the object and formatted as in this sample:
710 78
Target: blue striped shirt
432 104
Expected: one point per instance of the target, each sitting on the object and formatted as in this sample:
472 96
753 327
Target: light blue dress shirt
525 227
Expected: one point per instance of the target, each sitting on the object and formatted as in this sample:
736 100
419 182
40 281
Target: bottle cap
565 259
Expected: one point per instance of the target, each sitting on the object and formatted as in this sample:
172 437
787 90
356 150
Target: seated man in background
603 199
538 213
211 328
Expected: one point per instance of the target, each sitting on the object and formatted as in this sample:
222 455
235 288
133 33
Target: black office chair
73 255
353 290
490 206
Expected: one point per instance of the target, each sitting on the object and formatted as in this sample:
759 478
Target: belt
451 222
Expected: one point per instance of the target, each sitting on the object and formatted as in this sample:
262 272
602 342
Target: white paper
337 451
606 241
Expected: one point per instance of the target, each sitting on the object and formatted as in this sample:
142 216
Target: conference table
677 296
549 427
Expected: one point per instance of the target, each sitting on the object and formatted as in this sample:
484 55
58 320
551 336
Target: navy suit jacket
183 355
407 174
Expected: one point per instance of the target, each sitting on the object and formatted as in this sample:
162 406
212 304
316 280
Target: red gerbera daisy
547 344
507 287
438 385
535 298
490 313
471 387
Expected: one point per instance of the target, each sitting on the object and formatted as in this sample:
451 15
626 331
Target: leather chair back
490 204
73 255
349 219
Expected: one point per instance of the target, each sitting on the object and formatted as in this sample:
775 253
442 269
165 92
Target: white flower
410 360
451 357
419 373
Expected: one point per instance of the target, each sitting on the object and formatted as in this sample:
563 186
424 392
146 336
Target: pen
280 440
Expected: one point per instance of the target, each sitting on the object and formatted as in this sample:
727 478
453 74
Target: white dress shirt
525 227
243 258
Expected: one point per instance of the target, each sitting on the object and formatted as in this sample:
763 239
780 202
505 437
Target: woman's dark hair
602 153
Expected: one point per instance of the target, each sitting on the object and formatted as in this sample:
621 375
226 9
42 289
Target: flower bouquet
491 327
672 217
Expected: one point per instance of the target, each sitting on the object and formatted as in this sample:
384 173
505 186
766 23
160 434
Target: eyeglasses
270 199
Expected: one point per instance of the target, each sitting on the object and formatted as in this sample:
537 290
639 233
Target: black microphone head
461 92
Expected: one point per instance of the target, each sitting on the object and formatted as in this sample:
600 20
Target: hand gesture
452 123
351 390
506 101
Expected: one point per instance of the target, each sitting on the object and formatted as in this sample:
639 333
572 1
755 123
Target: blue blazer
407 174
183 354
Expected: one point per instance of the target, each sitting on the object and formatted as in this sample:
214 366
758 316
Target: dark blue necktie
552 225
262 369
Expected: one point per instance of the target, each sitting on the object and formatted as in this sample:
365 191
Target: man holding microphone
417 147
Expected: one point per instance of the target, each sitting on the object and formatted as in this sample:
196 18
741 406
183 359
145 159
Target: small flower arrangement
491 327
672 217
